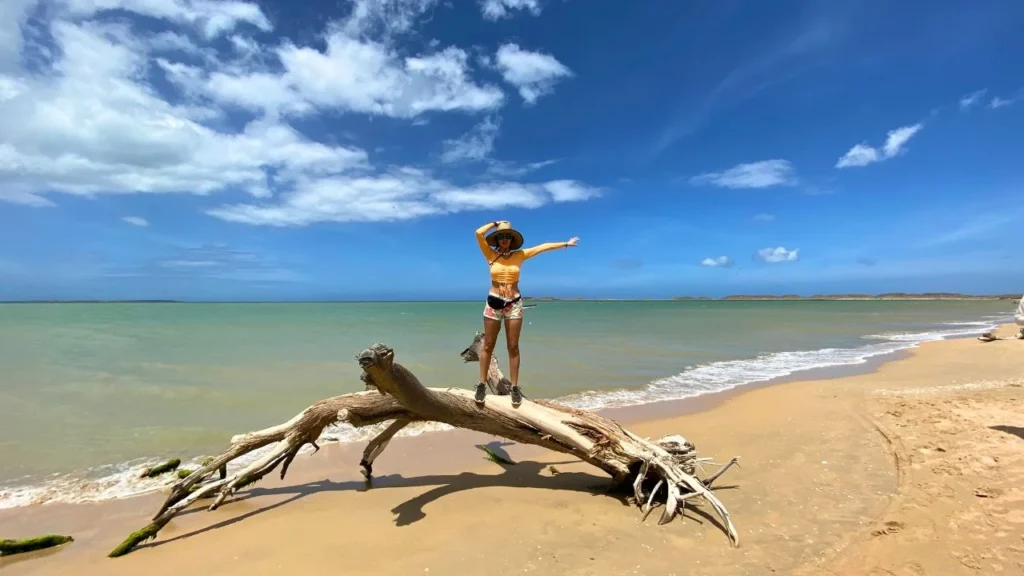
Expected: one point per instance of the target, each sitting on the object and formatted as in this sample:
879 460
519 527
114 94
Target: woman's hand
572 241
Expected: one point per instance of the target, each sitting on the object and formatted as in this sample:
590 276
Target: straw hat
505 228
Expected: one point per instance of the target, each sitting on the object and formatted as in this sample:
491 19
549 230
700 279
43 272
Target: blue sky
194 149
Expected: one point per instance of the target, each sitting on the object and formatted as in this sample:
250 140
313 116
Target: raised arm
534 250
482 240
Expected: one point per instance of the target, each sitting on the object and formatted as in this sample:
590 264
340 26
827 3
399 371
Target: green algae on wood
136 538
162 468
184 473
8 547
247 481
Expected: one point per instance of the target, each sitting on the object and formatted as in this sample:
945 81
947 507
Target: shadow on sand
1014 430
520 475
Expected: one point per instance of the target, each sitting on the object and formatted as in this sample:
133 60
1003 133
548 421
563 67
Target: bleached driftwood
663 470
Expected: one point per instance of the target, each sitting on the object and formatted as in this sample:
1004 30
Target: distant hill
886 296
817 297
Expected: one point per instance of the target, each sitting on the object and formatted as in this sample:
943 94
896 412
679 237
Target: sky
348 150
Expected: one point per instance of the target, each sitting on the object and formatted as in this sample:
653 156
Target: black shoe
481 391
517 396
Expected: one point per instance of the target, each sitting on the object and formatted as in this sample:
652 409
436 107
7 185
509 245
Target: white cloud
569 191
859 155
971 99
897 139
998 102
477 144
533 73
136 221
167 41
895 143
12 15
778 254
367 77
244 45
763 174
718 262
764 217
93 126
91 122
210 17
400 195
505 169
352 75
497 9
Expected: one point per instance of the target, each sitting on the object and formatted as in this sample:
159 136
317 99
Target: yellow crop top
506 270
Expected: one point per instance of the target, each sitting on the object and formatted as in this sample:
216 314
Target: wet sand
910 468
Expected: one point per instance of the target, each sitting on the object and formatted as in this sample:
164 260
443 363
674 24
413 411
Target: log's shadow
525 474
1014 430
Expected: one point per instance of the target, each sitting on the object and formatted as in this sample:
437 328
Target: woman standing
504 302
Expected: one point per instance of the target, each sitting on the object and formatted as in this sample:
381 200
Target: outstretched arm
534 250
482 241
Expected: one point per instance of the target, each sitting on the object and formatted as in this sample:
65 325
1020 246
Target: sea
92 393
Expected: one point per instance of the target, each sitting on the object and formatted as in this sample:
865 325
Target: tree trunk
395 394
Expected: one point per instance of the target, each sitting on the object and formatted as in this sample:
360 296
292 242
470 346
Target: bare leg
512 329
491 329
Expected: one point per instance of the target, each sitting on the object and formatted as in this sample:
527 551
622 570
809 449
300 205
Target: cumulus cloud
533 73
778 254
895 144
763 174
353 74
136 221
717 262
205 108
498 9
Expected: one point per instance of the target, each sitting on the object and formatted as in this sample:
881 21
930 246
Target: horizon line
727 298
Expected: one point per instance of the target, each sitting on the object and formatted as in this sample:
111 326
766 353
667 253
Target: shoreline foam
121 480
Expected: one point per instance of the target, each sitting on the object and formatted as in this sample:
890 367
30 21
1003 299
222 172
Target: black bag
499 303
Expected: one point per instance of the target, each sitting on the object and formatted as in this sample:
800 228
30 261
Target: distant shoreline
896 296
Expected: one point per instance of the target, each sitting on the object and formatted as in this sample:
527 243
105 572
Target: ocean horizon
93 394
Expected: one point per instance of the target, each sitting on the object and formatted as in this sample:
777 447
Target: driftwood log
663 471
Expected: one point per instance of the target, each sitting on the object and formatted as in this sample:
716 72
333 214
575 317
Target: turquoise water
89 392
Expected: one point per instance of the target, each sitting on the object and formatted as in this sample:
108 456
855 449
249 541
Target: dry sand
914 468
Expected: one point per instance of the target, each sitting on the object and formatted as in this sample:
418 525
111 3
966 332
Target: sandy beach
913 468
